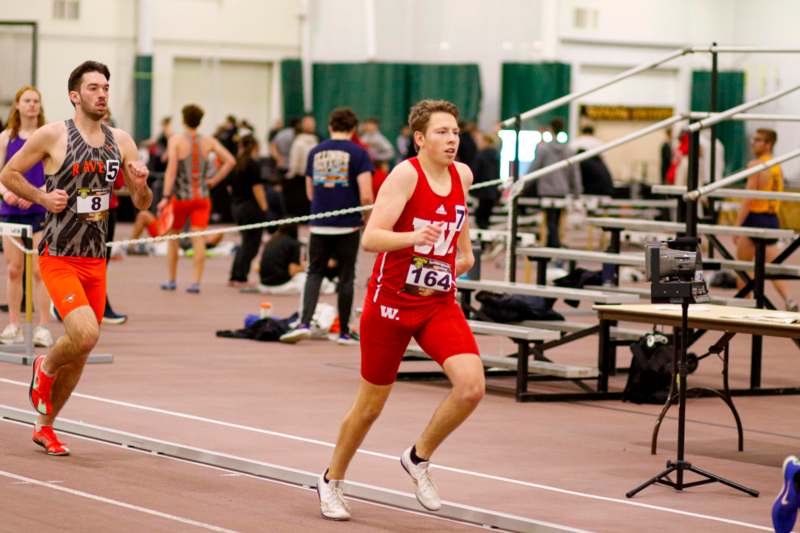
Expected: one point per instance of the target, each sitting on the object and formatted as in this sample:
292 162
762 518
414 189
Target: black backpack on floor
651 370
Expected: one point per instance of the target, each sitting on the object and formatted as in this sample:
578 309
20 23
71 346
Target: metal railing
707 120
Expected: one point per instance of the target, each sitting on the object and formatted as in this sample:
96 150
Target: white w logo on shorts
389 312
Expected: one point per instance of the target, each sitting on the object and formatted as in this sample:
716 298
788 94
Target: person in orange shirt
760 213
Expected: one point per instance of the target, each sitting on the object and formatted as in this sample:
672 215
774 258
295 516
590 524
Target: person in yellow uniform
760 213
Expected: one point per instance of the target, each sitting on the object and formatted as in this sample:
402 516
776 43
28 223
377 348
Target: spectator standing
558 184
487 168
248 206
338 176
294 187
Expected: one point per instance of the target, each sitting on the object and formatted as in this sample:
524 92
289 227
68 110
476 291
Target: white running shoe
331 499
42 338
426 492
12 334
299 333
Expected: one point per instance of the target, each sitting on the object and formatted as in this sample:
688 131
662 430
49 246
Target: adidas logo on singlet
441 210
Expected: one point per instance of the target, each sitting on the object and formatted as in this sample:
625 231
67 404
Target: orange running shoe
46 438
39 391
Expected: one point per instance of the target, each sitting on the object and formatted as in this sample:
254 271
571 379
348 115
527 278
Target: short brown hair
771 136
342 119
192 115
76 76
421 113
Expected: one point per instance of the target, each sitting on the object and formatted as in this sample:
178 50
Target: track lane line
462 471
117 503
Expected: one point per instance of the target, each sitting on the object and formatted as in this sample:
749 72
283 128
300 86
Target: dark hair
288 229
421 113
588 130
166 120
245 153
342 119
771 136
557 124
373 120
192 115
76 76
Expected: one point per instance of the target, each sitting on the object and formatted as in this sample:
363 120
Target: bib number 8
97 203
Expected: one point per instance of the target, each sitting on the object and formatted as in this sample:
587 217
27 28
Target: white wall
259 31
64 44
773 23
444 31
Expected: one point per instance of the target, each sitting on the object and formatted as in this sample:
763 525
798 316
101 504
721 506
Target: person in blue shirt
338 176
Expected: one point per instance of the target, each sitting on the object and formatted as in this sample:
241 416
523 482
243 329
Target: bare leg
745 251
68 356
199 247
780 284
365 410
14 259
42 297
172 258
465 372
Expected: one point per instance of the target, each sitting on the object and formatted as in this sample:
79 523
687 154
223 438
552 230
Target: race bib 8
428 276
92 204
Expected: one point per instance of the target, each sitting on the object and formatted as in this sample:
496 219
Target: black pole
694 167
712 212
514 206
682 371
34 52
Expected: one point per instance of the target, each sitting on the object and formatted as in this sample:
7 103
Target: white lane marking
250 476
482 475
87 495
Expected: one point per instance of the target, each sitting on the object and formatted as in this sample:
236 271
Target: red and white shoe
39 391
47 439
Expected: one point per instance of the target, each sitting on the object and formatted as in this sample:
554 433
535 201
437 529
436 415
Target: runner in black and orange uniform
186 189
82 157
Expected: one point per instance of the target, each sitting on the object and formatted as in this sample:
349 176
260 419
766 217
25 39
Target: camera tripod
680 465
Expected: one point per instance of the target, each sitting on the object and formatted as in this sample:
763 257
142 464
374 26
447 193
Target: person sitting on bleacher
558 184
760 213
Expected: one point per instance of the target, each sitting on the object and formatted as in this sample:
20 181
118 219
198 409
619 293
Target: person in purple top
25 118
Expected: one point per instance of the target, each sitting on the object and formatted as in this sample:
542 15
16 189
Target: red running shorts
387 325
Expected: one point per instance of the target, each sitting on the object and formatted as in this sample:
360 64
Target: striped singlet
190 181
87 176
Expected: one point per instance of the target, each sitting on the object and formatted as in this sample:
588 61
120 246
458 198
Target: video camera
674 269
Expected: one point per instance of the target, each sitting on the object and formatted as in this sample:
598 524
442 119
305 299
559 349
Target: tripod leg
658 478
752 492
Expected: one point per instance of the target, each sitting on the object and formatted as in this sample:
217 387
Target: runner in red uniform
420 227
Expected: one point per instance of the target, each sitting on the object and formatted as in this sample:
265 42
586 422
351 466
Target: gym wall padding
143 96
292 89
388 90
730 92
528 85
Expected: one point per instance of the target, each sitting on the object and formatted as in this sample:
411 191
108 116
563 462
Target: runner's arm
171 171
465 258
393 195
227 163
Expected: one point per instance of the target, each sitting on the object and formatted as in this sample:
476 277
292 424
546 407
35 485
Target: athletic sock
416 459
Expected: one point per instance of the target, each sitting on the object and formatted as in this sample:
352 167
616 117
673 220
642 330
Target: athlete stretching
418 222
82 157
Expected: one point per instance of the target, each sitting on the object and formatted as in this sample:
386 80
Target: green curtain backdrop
527 85
143 96
292 89
388 90
730 92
